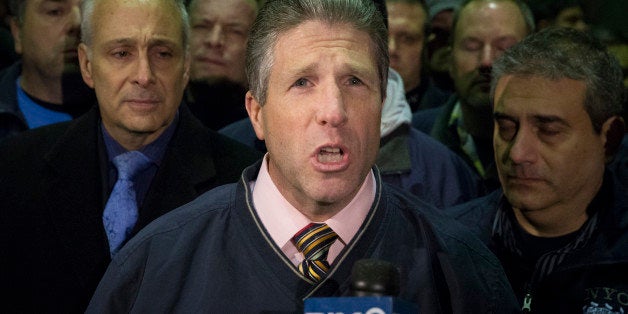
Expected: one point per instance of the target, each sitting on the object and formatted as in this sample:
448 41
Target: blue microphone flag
359 305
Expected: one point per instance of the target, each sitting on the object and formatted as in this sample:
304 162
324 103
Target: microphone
374 287
374 278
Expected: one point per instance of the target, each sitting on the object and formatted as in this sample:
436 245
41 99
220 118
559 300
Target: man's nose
144 75
523 147
216 36
332 111
487 57
74 21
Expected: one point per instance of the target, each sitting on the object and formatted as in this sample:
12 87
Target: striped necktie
314 241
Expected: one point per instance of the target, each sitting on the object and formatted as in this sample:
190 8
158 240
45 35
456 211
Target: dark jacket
587 275
52 194
427 95
447 134
214 255
620 161
216 104
415 162
78 98
11 119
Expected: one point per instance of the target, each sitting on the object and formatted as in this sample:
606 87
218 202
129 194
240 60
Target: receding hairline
130 41
101 10
255 5
462 11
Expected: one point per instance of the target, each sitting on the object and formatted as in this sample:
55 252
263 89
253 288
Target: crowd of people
242 156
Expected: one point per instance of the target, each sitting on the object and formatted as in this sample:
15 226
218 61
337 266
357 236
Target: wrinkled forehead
533 94
195 5
325 36
143 20
23 6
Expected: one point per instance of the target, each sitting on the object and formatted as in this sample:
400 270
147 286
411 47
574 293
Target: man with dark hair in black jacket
559 224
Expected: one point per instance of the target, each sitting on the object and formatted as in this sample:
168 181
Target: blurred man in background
218 83
45 85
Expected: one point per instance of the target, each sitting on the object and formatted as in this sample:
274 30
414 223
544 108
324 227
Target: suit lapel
73 186
186 171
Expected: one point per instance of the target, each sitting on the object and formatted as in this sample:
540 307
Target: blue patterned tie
314 241
120 213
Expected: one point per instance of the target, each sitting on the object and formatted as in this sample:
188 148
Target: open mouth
330 155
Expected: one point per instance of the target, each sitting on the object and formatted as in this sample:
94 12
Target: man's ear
613 131
86 64
16 33
254 108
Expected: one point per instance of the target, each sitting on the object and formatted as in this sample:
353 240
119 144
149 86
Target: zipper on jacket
527 302
537 276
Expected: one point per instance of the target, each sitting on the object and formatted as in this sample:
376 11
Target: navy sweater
214 256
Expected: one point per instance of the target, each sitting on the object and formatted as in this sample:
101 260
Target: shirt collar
282 220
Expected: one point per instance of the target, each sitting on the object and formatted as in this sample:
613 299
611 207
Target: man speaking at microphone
299 219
